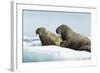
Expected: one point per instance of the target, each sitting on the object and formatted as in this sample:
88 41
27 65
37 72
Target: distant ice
31 41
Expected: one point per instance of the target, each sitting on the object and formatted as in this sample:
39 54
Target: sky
78 21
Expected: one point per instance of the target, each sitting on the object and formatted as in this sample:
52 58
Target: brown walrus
47 37
72 39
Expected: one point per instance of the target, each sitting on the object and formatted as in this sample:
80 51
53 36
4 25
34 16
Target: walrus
47 37
72 39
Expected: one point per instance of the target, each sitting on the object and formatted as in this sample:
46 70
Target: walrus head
62 30
40 30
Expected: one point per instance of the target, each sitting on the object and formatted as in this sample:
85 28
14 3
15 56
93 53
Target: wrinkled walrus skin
72 39
47 37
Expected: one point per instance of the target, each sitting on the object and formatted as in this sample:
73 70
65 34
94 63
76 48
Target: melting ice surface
34 52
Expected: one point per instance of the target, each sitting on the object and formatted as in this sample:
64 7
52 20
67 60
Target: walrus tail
85 48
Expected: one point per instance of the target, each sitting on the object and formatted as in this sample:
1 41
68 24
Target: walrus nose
36 32
57 30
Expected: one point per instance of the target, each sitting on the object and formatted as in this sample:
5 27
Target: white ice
50 53
34 52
